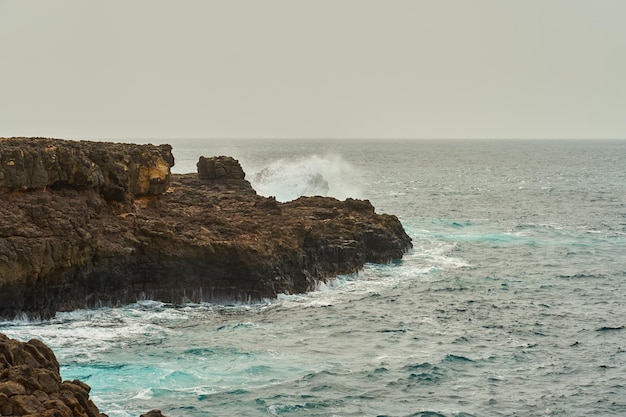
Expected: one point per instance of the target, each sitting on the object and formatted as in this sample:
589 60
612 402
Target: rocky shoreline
31 385
88 224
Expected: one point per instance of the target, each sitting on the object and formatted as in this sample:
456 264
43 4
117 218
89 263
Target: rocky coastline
31 385
88 224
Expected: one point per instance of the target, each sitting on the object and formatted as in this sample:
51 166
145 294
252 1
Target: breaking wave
328 175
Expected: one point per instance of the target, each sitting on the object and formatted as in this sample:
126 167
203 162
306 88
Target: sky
298 69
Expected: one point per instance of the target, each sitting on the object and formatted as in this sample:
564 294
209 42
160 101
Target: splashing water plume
328 175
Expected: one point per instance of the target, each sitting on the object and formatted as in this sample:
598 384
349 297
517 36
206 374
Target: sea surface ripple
511 302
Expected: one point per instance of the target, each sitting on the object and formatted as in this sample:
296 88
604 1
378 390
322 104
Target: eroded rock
30 383
219 168
70 239
118 171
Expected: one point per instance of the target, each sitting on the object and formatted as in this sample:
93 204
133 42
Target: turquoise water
511 303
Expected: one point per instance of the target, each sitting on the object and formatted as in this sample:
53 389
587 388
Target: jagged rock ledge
88 224
31 385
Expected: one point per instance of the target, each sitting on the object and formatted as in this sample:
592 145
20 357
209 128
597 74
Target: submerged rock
219 168
111 225
153 413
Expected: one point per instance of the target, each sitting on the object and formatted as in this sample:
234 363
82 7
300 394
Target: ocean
511 303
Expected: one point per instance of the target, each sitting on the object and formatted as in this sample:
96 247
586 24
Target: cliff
86 224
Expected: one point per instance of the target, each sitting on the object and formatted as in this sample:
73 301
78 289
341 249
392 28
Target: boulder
153 413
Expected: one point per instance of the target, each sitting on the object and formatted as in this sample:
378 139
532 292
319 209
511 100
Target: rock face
219 168
87 224
30 383
118 172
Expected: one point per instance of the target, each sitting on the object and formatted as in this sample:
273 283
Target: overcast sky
123 69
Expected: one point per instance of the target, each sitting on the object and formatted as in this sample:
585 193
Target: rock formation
118 172
31 385
219 168
87 224
153 413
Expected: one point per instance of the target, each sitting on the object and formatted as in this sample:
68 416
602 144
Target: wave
328 175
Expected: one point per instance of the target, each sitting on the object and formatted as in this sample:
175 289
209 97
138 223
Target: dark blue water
511 303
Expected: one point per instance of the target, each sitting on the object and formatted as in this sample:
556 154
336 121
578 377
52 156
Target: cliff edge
88 224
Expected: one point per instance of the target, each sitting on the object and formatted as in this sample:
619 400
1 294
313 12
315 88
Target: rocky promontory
87 224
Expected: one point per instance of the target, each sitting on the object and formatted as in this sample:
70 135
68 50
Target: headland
88 224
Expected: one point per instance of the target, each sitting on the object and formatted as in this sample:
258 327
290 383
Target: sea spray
288 179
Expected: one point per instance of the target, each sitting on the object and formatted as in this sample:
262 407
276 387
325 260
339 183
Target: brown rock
153 413
48 381
30 384
119 172
10 388
6 407
80 242
41 396
26 404
26 375
58 408
219 168
42 354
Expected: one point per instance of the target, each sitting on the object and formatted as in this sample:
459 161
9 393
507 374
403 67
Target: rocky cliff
86 224
118 172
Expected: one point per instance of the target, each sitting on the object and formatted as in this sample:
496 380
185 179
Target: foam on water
510 303
140 353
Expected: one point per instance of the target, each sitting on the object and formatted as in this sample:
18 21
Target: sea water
512 302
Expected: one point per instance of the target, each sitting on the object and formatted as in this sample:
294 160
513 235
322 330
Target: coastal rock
30 383
84 241
153 413
117 171
219 168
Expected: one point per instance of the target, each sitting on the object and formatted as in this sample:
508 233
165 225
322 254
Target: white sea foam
144 394
328 175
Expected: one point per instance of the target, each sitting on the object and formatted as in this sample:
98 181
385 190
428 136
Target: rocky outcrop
153 413
219 168
72 241
119 172
31 385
